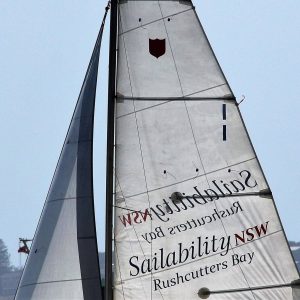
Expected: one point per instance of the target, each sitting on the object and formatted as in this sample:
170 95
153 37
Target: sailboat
189 213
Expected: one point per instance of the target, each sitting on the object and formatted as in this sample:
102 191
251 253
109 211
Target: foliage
5 266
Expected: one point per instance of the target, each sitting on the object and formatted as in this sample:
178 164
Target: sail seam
69 198
56 281
139 242
131 89
145 177
157 20
192 130
186 180
118 262
215 204
85 237
208 89
261 194
79 141
184 98
117 179
172 99
139 110
141 152
203 258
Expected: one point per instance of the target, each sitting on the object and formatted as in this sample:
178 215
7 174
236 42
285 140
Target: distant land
9 281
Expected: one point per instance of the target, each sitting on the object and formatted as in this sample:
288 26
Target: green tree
4 259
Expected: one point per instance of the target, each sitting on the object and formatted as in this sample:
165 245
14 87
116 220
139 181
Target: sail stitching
141 152
170 100
140 149
69 198
58 281
186 180
192 130
132 224
165 102
79 141
157 20
118 262
118 182
205 90
205 36
127 63
203 258
142 109
138 132
131 90
215 204
143 164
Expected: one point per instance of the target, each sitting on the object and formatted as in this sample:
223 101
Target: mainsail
63 261
194 214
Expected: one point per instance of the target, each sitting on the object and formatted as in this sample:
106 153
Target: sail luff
110 151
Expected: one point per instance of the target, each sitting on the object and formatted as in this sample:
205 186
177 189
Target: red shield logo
157 47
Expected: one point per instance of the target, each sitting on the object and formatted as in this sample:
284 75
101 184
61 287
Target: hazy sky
45 48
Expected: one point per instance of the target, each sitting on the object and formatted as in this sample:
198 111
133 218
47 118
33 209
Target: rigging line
192 178
157 20
265 287
204 258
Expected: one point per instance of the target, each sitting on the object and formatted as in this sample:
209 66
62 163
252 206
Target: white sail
63 261
194 215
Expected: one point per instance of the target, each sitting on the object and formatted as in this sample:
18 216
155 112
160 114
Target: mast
110 151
